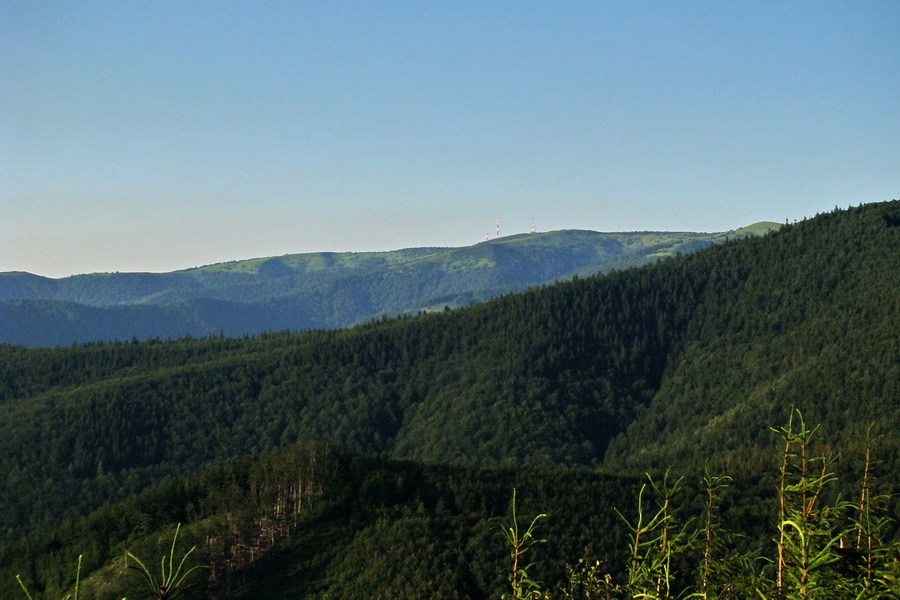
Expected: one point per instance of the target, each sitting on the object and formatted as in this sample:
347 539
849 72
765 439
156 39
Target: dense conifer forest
380 461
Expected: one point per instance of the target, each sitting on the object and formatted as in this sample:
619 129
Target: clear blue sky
157 135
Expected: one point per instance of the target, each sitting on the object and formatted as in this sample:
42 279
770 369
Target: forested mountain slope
314 523
306 521
628 370
320 290
808 318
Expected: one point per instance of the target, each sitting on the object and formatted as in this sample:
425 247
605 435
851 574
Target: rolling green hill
311 291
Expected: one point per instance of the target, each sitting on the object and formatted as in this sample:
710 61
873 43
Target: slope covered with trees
309 522
320 523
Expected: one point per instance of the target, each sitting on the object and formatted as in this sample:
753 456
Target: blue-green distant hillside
316 290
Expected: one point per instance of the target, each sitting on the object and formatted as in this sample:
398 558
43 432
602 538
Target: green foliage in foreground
519 544
308 523
76 595
171 581
168 584
825 547
325 525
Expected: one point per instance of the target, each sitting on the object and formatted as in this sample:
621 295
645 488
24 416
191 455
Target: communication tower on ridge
498 226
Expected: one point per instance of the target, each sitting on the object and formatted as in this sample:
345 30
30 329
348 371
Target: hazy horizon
489 236
162 136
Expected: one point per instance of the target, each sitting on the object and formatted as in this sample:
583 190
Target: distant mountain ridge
317 290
